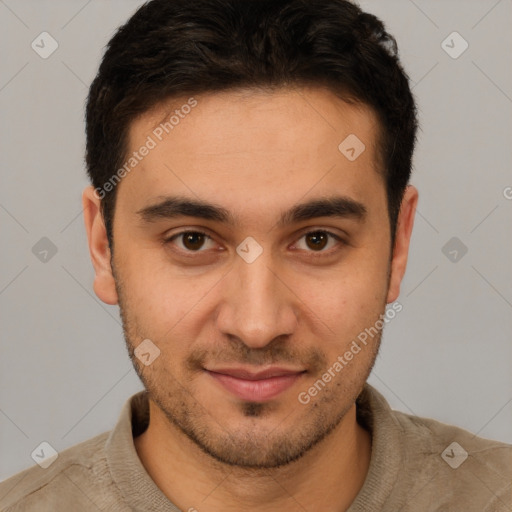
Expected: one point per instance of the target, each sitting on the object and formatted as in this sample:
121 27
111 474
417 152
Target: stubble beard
253 445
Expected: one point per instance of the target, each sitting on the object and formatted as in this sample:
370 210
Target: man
251 215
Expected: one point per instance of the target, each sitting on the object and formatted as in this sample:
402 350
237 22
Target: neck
331 473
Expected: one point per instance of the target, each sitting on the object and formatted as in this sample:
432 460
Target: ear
99 249
405 223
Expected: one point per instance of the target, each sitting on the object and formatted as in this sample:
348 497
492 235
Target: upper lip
267 373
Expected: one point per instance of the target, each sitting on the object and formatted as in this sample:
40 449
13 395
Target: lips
257 386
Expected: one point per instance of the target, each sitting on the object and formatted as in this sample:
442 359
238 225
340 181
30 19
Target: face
252 253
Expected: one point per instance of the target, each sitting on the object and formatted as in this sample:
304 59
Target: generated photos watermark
157 135
355 348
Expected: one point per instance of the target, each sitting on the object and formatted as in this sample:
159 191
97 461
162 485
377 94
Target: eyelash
312 253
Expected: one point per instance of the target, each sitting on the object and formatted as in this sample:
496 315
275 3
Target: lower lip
256 390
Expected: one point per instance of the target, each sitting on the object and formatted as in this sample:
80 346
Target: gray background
64 371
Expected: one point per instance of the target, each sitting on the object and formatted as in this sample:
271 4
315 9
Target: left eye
317 241
193 241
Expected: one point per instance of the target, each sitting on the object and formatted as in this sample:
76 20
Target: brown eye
316 240
190 241
193 240
319 242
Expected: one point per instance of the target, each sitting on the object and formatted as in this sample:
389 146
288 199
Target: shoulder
457 463
452 442
70 482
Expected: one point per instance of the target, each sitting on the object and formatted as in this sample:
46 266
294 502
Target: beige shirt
414 467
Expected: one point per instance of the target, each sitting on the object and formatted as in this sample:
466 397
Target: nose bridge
256 306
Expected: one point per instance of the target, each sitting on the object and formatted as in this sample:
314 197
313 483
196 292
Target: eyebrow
176 206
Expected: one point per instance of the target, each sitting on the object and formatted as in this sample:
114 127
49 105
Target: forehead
254 144
308 111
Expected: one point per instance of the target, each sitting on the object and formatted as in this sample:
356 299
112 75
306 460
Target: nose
257 304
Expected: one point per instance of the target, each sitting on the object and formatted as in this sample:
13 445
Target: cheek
163 302
346 300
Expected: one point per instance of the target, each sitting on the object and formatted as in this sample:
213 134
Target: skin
256 154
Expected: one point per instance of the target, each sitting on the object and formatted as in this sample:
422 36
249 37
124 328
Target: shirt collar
131 478
375 414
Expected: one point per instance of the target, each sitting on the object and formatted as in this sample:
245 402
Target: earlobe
99 249
402 239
